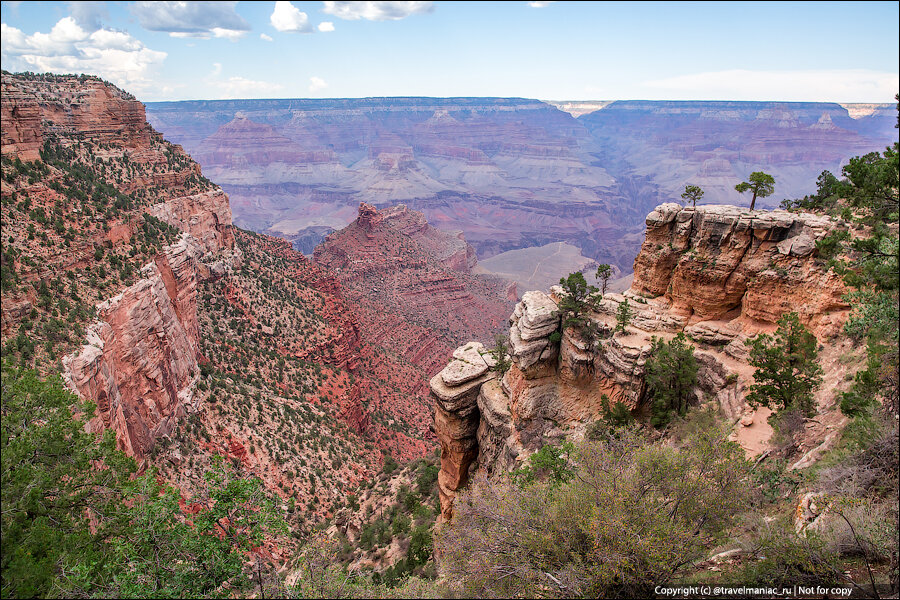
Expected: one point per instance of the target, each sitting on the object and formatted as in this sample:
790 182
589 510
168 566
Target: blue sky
805 51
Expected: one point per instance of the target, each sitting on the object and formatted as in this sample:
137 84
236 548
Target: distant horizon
588 101
662 51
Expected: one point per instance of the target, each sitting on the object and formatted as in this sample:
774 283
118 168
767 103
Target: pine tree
623 316
670 374
577 299
692 193
787 373
604 272
761 184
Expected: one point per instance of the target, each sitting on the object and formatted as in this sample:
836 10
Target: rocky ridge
392 262
139 365
720 274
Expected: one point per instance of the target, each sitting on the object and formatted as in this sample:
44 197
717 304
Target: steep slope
720 274
195 339
96 203
191 338
392 262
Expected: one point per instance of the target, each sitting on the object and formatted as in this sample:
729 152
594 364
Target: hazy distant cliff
717 144
508 172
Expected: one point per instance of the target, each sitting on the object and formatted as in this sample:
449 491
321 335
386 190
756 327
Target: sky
782 51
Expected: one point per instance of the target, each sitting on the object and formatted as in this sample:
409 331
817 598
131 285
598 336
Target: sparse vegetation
631 516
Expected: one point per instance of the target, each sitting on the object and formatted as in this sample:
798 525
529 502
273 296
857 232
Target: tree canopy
761 184
786 373
623 315
867 194
611 518
671 375
579 297
77 522
692 193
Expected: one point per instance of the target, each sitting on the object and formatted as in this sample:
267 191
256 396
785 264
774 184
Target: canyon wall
509 172
716 144
392 263
719 274
139 365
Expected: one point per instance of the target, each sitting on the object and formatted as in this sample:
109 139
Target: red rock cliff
139 364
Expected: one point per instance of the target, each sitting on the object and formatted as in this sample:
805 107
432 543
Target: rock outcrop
391 263
717 263
35 107
456 391
140 364
719 274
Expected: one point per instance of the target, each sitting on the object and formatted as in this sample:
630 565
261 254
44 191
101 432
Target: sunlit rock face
718 274
139 363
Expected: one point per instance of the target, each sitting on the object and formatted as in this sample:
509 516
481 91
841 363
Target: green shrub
633 516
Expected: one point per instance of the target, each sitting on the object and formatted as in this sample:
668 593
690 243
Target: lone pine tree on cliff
692 193
604 272
578 298
761 184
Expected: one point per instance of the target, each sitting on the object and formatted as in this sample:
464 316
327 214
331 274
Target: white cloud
541 4
376 11
217 70
68 48
191 19
232 35
849 85
287 18
241 87
265 38
317 84
325 26
216 32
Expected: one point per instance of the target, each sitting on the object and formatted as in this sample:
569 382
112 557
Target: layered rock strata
714 263
126 190
139 364
718 274
511 173
393 261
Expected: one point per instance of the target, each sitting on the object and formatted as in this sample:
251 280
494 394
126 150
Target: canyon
510 173
193 338
719 274
343 349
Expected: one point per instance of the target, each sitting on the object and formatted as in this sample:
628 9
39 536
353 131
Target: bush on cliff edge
633 516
